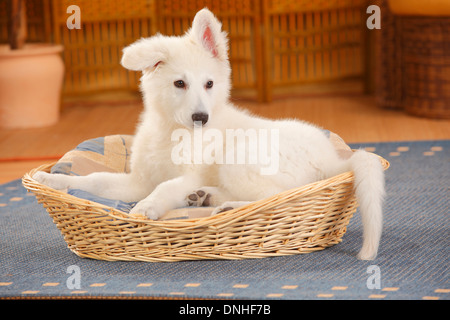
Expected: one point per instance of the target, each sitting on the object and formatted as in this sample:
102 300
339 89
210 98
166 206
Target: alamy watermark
374 280
74 20
374 20
74 280
234 146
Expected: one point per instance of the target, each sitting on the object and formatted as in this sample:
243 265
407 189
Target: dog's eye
209 84
180 84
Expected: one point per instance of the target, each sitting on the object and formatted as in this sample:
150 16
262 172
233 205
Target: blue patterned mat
412 262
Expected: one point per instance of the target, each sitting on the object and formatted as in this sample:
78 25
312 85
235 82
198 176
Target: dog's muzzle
200 116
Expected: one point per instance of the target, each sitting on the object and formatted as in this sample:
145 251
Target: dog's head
184 77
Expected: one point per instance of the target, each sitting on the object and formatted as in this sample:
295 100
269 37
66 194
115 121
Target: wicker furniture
414 53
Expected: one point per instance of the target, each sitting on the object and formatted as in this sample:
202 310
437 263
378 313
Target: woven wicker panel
92 53
389 92
310 41
426 66
101 10
286 6
273 43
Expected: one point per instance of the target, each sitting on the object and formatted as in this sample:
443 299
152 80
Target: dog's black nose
200 116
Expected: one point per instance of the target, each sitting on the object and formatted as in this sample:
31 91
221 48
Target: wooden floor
356 118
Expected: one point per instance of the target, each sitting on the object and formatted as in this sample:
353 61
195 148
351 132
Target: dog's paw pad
199 198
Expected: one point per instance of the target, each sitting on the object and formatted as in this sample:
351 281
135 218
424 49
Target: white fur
305 153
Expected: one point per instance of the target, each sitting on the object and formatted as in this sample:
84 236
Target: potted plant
31 76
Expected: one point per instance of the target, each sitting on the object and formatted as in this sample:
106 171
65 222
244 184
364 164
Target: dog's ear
206 30
144 54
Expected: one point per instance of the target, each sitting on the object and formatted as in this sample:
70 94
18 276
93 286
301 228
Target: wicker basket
414 70
300 220
426 54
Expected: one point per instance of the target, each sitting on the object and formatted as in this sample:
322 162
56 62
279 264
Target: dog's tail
369 190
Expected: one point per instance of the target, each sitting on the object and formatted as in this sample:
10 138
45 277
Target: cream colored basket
300 220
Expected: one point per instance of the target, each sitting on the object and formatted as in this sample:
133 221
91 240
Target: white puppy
193 147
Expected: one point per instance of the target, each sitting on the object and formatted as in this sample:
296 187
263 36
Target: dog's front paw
229 205
147 208
199 198
222 208
55 181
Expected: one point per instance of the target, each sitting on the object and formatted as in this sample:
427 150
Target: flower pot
30 85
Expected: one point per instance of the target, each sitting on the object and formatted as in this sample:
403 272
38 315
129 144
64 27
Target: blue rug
412 261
